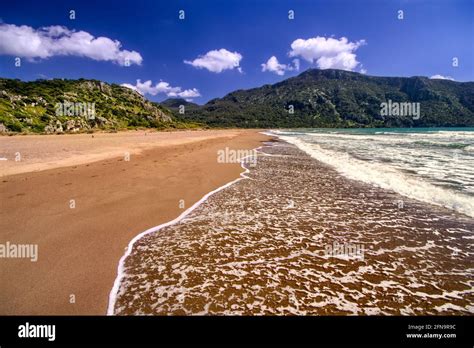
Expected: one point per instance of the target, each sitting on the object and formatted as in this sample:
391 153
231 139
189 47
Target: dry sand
30 153
79 249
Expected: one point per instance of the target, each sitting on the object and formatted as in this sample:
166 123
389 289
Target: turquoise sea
434 165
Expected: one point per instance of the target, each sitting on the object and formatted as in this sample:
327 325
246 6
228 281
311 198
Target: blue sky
241 35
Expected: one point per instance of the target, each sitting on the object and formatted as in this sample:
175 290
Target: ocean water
270 244
433 165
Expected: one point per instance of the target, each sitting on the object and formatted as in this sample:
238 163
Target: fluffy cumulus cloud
217 61
441 77
163 87
327 53
274 66
27 42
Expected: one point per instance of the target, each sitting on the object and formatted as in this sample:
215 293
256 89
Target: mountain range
338 98
314 98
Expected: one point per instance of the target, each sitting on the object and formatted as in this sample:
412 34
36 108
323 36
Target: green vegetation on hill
319 98
336 98
32 107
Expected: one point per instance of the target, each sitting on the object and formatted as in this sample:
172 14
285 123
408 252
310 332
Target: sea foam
386 177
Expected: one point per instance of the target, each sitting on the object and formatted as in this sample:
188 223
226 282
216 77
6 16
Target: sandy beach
81 201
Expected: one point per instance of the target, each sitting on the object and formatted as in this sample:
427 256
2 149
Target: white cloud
130 86
186 94
162 87
24 41
327 53
441 77
217 61
273 65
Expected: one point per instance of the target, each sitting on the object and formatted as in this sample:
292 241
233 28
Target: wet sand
271 245
114 199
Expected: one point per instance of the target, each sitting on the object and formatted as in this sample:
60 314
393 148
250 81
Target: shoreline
79 250
250 261
120 269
